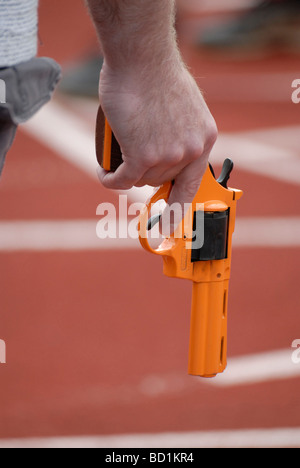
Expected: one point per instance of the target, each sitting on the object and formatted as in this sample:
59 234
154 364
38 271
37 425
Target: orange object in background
199 250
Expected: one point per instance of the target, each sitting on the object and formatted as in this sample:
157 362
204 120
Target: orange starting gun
207 264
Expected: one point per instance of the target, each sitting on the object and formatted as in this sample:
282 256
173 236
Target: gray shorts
24 89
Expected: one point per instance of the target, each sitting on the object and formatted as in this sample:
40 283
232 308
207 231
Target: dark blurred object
272 24
82 79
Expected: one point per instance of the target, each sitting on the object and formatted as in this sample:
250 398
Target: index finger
185 188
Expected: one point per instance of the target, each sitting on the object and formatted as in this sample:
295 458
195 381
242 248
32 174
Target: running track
96 337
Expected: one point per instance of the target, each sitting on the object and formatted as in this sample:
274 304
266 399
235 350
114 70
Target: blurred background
96 337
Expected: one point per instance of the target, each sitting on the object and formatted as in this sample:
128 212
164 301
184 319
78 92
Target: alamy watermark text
190 229
296 353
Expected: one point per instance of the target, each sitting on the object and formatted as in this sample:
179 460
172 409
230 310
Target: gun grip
108 151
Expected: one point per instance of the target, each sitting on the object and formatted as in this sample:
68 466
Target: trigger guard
162 193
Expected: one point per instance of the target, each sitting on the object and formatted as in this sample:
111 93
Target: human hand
164 128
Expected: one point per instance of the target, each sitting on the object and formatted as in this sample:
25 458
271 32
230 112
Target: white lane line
59 235
248 369
66 134
285 138
73 140
254 153
251 369
245 438
82 235
256 368
267 232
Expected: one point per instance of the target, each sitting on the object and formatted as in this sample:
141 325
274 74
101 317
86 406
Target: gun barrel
208 333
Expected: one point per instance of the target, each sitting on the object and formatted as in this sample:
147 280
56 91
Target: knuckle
197 147
106 183
212 134
171 157
150 158
194 149
174 157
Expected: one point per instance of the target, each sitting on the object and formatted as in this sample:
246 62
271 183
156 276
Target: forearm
135 33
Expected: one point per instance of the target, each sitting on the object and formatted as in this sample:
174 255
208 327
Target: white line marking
286 138
251 152
248 370
267 232
66 134
58 235
73 140
81 235
256 368
241 370
244 438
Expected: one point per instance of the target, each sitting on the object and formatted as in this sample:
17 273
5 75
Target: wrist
140 59
143 79
160 63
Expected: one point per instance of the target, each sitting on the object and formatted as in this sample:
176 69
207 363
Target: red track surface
91 336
